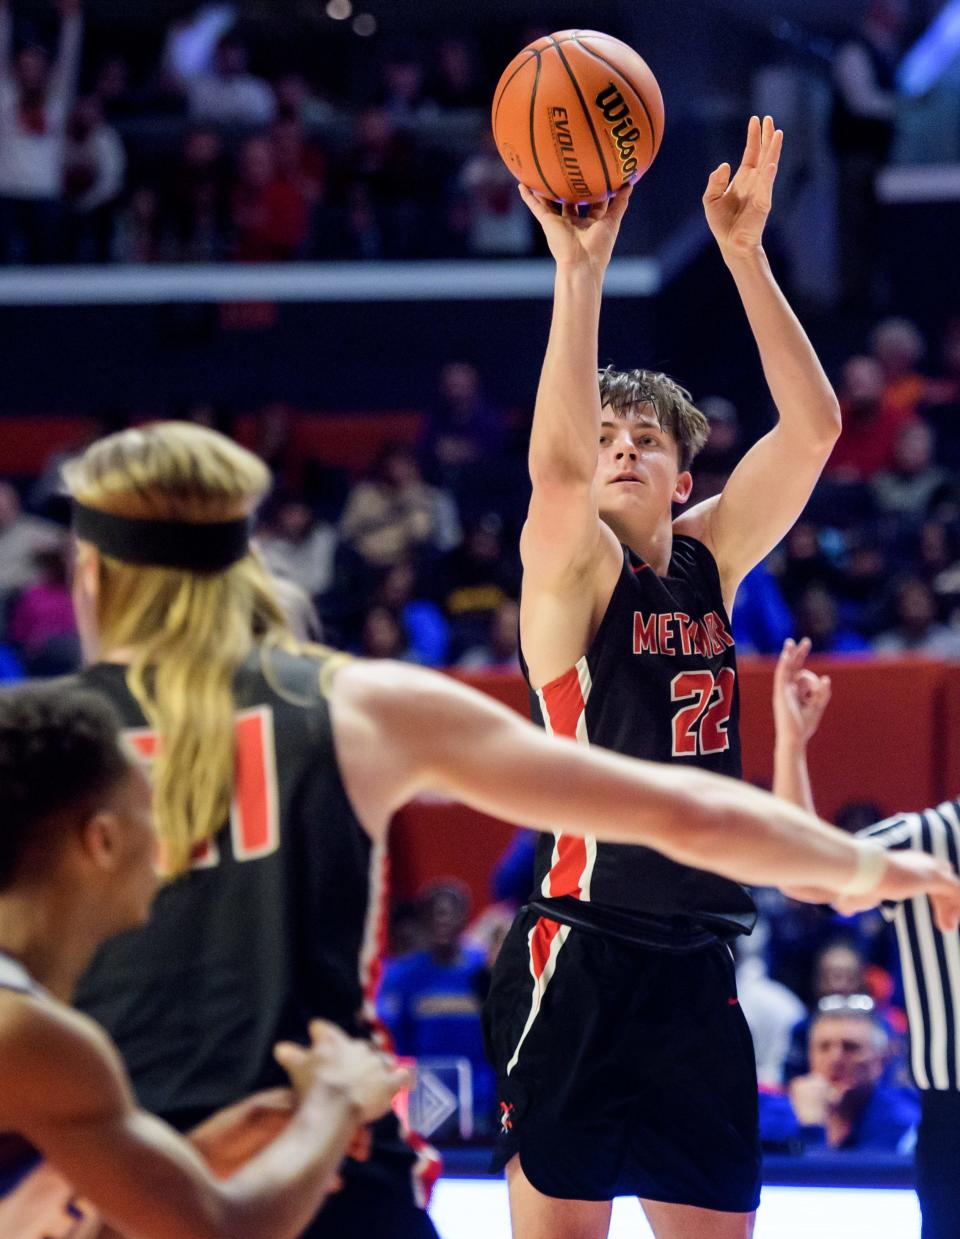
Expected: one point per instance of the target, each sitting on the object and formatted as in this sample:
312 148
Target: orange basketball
576 115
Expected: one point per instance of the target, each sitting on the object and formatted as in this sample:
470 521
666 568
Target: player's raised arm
563 533
63 1087
771 485
402 730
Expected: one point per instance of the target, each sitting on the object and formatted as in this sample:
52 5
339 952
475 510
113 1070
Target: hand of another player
737 209
229 1138
908 874
371 1079
576 240
799 696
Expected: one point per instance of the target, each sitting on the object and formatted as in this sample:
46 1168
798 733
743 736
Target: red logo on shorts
733 1002
506 1122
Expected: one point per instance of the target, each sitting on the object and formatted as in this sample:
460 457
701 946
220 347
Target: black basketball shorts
623 1070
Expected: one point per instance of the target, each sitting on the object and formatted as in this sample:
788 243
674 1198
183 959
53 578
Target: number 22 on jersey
254 813
700 728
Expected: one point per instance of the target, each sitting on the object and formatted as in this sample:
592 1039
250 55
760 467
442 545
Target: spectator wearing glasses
927 960
842 1102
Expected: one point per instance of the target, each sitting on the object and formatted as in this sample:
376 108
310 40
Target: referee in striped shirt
929 959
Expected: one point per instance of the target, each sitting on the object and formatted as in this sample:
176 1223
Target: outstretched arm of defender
771 485
401 731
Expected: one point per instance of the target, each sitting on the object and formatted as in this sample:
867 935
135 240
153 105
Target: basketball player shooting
625 1064
277 768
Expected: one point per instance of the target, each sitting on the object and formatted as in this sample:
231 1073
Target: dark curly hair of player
60 749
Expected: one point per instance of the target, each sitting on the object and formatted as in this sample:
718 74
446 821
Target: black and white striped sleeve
929 959
902 832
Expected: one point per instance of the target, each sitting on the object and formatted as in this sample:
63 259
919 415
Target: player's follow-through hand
737 209
576 239
371 1079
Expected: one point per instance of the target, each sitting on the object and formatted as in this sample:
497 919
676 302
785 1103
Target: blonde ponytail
188 632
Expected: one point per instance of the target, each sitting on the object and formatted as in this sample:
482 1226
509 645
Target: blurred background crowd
411 550
288 132
163 133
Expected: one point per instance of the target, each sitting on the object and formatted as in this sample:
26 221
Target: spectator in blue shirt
842 1102
761 619
430 1000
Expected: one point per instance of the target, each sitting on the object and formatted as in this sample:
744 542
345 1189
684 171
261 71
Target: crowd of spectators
195 156
218 140
416 556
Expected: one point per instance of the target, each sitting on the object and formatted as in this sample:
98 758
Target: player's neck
121 654
50 933
653 545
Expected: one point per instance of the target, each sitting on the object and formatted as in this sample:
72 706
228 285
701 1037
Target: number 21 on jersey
700 727
254 813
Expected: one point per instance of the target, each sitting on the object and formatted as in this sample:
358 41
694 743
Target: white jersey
36 1201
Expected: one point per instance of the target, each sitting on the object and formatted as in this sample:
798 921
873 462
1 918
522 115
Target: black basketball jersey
659 681
279 920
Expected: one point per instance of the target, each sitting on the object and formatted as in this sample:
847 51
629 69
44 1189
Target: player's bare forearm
483 754
146 1180
306 1154
692 817
401 731
800 389
791 775
566 418
771 485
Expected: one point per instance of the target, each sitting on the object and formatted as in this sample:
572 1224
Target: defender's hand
908 874
799 696
228 1139
575 239
737 209
905 875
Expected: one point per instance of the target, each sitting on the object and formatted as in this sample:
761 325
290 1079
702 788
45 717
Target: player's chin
633 499
626 494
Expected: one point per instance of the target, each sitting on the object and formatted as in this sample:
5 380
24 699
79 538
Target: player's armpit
563 536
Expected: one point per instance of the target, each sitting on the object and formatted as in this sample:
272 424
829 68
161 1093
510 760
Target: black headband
164 544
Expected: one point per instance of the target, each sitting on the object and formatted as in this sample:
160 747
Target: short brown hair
623 390
60 749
